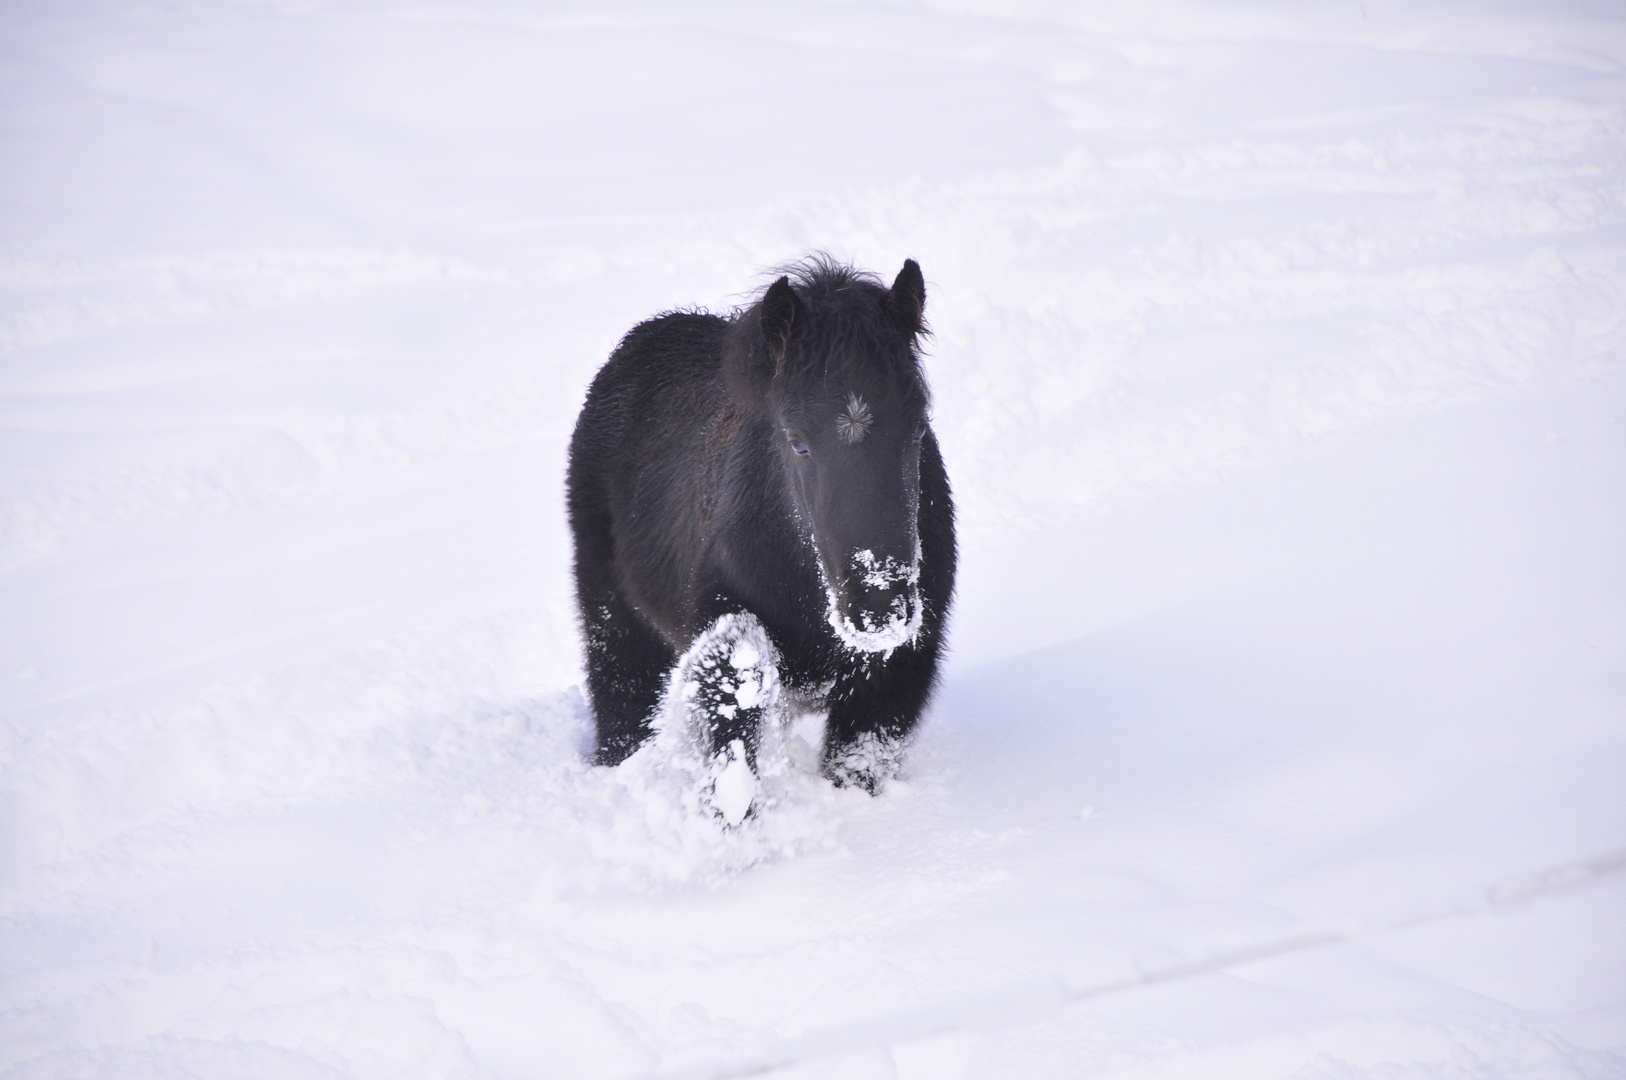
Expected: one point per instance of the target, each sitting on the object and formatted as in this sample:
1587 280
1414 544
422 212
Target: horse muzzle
880 608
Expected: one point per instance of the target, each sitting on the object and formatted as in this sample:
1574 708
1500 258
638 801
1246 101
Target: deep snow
1278 367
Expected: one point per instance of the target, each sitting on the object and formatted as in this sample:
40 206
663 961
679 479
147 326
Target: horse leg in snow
725 684
871 714
627 662
627 665
727 681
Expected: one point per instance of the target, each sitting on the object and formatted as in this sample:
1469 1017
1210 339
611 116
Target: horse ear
781 310
908 299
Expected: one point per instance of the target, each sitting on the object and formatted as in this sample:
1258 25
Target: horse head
833 362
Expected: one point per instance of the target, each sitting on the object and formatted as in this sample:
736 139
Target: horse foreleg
627 666
725 684
872 713
727 681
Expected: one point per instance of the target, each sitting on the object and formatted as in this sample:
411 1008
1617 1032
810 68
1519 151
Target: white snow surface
1277 363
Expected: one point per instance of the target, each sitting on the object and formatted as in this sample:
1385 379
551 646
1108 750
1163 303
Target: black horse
759 507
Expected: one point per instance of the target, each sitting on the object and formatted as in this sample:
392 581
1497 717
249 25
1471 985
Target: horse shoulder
644 444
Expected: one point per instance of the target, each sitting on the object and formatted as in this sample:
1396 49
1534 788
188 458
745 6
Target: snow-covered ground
1280 366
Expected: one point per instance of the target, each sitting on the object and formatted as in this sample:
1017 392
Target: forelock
850 336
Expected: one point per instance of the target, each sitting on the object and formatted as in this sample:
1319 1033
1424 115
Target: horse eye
799 446
920 432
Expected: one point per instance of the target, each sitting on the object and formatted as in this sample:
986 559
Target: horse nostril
880 606
880 595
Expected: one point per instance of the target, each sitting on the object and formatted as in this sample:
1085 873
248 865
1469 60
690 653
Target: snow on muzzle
883 608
